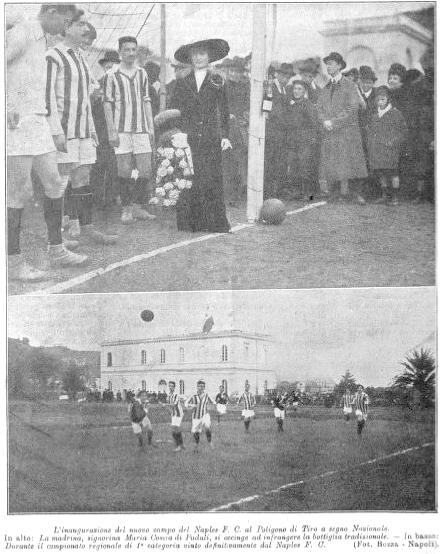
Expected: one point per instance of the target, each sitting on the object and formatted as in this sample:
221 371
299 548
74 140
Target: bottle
268 96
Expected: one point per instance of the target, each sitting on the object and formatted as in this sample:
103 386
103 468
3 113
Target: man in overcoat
342 155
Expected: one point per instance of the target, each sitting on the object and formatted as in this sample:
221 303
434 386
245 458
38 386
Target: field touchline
66 285
321 476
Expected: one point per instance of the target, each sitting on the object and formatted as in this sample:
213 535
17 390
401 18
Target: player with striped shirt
129 118
176 417
346 404
248 401
71 121
360 402
200 417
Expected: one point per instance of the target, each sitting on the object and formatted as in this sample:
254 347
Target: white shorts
176 421
360 415
347 410
79 152
279 413
32 137
137 427
248 413
200 424
221 408
295 404
133 143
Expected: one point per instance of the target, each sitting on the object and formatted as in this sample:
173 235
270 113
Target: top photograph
173 147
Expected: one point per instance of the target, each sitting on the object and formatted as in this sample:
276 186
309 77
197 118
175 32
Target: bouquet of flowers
174 171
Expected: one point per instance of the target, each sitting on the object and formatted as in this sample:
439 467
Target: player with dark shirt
279 408
140 421
221 400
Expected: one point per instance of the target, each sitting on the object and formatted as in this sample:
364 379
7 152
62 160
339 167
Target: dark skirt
202 208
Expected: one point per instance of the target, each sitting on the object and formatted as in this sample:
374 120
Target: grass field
336 245
84 458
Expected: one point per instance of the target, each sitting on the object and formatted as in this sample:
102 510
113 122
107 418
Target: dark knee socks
197 437
83 203
14 228
208 435
125 191
140 192
53 208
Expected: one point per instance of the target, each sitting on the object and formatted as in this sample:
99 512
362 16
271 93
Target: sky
319 333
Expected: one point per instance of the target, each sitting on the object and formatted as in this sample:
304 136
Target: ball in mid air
272 212
147 315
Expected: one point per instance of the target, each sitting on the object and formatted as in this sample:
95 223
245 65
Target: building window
265 386
246 352
162 355
181 355
225 385
143 357
144 385
224 353
109 359
109 385
202 353
182 386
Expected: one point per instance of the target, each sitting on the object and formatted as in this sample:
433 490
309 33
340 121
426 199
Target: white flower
154 200
179 153
173 194
160 191
162 171
135 174
170 170
181 184
179 140
165 163
173 202
189 184
166 202
168 186
183 164
158 180
187 172
168 153
160 151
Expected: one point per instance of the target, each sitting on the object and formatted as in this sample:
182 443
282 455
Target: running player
176 417
279 403
201 418
129 118
295 401
248 400
346 404
360 402
140 421
222 400
71 122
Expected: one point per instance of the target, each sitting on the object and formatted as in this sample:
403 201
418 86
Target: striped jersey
200 404
347 400
127 94
174 402
222 398
68 93
361 401
248 400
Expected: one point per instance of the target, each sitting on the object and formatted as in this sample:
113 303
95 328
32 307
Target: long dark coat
205 119
342 155
385 136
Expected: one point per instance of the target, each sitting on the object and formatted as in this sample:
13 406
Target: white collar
368 94
200 75
385 110
280 88
337 78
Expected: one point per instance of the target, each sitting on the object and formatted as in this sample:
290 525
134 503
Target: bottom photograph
254 401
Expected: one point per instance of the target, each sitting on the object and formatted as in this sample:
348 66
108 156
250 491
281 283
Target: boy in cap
140 421
360 402
176 417
201 419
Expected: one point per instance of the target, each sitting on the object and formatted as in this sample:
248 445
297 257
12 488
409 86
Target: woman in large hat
201 99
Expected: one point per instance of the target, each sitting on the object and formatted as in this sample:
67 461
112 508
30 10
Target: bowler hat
287 69
110 56
366 73
353 72
165 116
397 69
335 56
172 383
217 49
310 65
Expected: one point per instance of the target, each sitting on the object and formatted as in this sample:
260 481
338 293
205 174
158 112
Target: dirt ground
336 245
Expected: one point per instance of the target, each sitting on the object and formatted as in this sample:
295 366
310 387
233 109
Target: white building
228 357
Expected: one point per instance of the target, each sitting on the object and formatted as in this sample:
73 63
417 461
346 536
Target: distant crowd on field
98 142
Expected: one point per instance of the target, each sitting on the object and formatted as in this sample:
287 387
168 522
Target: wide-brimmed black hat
337 58
217 49
366 73
165 116
110 56
286 68
397 69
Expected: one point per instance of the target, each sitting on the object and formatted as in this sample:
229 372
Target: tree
347 382
73 381
419 374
